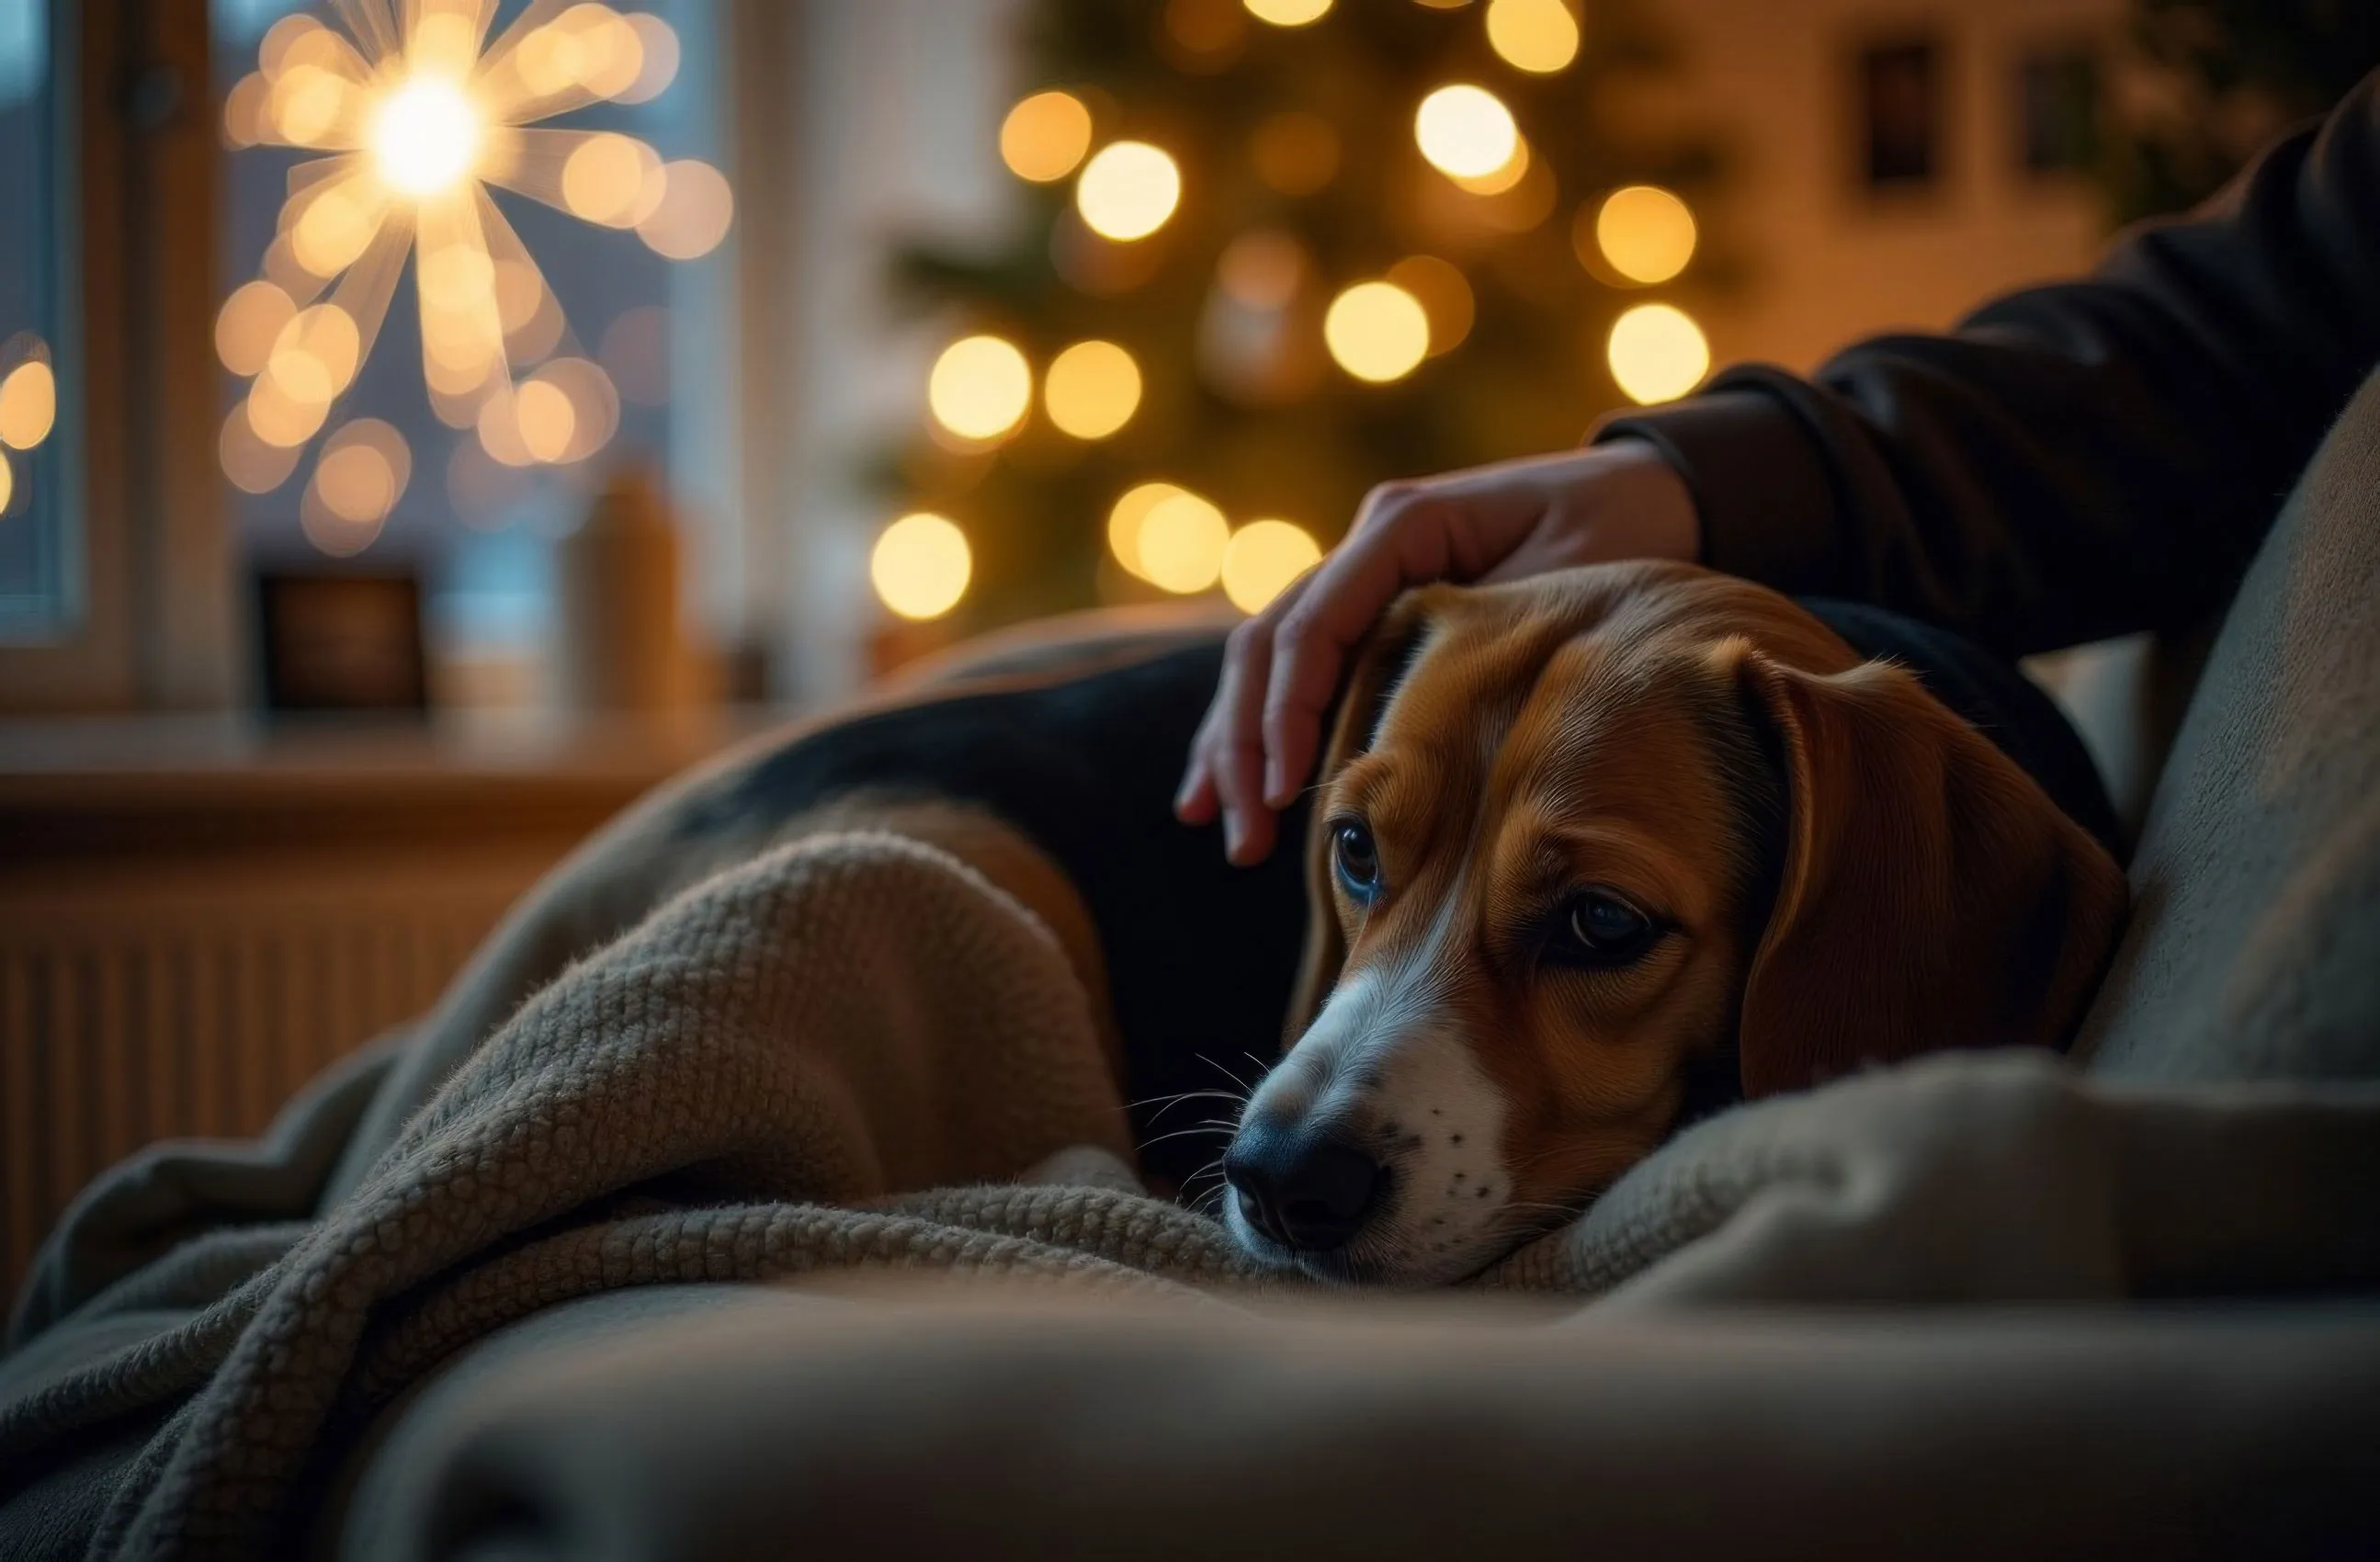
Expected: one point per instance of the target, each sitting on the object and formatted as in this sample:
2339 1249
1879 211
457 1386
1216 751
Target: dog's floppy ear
1930 894
1380 664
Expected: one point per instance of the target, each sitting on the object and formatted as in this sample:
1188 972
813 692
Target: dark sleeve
2074 461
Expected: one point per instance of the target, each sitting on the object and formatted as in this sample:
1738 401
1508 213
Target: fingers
1399 541
1226 757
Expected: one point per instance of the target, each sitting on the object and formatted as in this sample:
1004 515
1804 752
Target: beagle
1585 842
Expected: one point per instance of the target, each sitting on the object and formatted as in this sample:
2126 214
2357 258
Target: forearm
2074 461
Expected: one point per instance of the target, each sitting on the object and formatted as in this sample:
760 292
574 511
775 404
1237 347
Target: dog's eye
1608 928
1359 860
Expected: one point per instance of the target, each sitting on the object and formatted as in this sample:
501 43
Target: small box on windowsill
342 642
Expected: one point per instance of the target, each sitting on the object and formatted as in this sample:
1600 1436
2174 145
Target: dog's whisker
1185 1132
1172 1101
1227 1073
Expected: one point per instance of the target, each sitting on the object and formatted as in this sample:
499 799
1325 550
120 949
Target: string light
1262 558
7 483
426 137
1466 131
1125 518
1288 13
1181 543
1093 389
1537 36
1657 353
979 388
1646 233
1045 137
253 465
29 405
921 566
1444 295
1497 181
695 209
1128 190
1377 331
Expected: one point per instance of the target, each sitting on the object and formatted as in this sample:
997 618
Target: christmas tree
1273 252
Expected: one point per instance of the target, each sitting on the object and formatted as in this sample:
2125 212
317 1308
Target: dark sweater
2071 462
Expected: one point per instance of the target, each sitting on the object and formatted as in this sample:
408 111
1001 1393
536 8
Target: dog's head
1586 838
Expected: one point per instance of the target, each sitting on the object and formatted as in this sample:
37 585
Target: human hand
1500 522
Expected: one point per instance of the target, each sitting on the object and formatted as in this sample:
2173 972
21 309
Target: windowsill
119 786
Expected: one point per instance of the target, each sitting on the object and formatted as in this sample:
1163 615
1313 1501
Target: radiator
167 1007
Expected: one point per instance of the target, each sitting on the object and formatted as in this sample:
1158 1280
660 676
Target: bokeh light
1657 352
1092 390
29 405
426 136
7 483
1497 181
658 66
251 465
1466 131
613 180
247 325
920 565
314 357
547 419
1646 233
363 471
1444 294
1288 13
1045 137
1539 36
1181 542
1377 331
1261 560
1128 190
695 209
335 228
1125 518
980 387
280 420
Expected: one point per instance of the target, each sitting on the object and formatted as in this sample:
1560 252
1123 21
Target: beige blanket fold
767 1078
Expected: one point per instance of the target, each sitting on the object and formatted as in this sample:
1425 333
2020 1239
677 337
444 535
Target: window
2057 111
39 576
1900 115
614 315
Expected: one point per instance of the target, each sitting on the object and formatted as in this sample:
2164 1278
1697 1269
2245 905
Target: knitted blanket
853 1053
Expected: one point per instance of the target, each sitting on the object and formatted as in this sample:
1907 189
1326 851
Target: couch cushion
2253 951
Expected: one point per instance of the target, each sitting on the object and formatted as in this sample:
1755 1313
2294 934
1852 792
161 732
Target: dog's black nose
1302 1189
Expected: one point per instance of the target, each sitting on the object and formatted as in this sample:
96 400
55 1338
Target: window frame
150 598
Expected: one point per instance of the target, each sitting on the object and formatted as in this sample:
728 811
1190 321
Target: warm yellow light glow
304 105
1466 131
980 388
1093 390
7 483
1262 558
29 405
662 51
1444 294
1377 331
425 138
612 179
547 419
457 278
1540 36
252 465
1288 13
1181 543
1657 352
333 232
594 405
695 209
250 323
1125 518
1516 169
1646 233
363 471
920 566
315 357
279 420
1128 190
1045 137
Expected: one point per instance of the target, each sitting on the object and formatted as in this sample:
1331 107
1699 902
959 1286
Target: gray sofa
1988 1307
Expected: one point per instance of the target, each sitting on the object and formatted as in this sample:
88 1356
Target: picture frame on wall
1900 115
